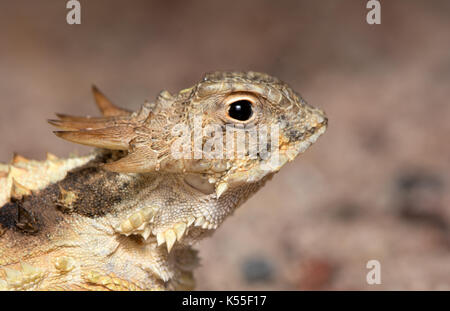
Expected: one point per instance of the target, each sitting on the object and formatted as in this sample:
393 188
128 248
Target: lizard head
229 129
257 122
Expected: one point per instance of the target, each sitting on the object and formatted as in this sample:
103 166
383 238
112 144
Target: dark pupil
240 110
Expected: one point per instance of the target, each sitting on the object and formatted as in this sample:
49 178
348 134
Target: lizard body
126 216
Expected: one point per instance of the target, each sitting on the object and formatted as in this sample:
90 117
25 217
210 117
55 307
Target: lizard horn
86 123
106 107
114 138
67 117
140 160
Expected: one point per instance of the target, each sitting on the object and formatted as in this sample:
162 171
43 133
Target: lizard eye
240 110
240 107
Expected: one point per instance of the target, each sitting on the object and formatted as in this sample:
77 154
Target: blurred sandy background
375 186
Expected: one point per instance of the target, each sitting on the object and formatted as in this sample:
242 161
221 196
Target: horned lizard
126 216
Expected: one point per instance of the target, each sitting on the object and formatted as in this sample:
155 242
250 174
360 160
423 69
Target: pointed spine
114 138
105 106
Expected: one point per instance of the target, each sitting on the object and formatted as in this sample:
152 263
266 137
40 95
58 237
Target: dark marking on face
281 118
294 135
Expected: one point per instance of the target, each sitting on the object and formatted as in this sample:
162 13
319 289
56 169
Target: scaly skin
126 217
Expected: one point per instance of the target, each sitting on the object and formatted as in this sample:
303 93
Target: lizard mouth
311 139
318 126
317 133
301 145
